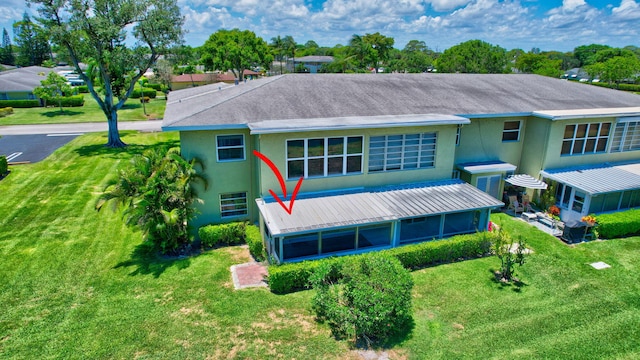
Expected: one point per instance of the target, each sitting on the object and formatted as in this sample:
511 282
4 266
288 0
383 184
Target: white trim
243 147
325 156
509 131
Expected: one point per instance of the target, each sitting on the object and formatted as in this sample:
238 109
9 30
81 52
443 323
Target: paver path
247 275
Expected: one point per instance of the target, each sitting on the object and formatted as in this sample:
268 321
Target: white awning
526 181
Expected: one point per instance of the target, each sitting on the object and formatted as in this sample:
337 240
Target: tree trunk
114 135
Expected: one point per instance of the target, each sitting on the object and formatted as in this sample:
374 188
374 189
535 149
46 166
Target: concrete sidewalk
74 128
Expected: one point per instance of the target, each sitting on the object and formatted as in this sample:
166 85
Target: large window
585 138
511 131
324 157
233 204
402 152
230 147
626 137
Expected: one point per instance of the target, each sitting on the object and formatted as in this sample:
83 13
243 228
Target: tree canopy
31 41
235 50
473 56
53 89
97 31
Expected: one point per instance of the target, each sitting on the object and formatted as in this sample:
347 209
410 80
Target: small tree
510 253
54 88
157 195
371 302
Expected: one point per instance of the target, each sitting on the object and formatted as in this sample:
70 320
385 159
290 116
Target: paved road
33 143
150 125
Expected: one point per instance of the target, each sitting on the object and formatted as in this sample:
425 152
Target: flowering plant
589 219
554 210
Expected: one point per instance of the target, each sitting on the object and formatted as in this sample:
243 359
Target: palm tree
157 194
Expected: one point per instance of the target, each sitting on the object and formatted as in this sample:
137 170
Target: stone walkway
248 275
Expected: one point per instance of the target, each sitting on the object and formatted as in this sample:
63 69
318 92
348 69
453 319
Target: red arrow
278 174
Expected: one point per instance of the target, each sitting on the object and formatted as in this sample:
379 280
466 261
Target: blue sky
525 24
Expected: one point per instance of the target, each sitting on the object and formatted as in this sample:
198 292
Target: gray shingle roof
23 79
302 96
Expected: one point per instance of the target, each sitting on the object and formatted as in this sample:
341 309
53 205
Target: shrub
4 165
82 89
510 253
222 234
371 301
292 277
156 87
73 101
20 103
145 99
136 93
254 240
619 224
6 111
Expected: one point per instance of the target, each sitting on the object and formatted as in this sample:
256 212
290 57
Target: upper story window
585 138
626 136
511 131
402 152
324 156
458 135
230 147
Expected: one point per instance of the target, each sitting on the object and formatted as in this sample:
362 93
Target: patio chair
515 205
526 203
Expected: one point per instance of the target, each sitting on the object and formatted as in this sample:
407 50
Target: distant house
192 80
18 84
401 158
311 63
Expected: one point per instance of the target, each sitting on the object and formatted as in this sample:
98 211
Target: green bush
156 87
82 89
73 101
222 234
4 165
254 240
6 111
136 93
371 301
619 224
20 103
292 277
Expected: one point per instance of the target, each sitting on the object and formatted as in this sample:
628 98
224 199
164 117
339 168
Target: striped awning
526 181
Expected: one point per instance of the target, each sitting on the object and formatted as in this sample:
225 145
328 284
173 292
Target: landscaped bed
75 283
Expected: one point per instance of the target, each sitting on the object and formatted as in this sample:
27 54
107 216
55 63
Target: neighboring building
184 81
383 157
312 63
18 84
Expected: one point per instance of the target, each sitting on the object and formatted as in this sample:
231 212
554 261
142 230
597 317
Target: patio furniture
526 203
515 205
529 217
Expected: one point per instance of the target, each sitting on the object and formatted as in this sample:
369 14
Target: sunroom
595 189
372 219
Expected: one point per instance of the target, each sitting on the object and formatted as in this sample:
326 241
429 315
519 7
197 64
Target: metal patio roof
374 206
598 179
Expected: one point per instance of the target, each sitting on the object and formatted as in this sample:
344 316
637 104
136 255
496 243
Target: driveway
33 143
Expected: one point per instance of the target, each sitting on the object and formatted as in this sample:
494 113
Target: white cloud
571 5
628 10
447 5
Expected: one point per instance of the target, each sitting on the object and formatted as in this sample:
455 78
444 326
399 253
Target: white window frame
218 148
244 211
427 143
325 156
585 139
509 131
626 137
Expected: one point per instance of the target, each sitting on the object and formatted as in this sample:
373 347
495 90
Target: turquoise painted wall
482 140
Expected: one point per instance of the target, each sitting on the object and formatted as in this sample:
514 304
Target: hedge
82 89
222 234
6 111
292 277
135 94
624 87
254 240
19 103
619 224
4 165
71 101
156 87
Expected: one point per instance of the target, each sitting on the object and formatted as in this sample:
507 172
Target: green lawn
90 112
76 284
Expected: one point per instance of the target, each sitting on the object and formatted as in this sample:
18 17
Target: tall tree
361 51
31 41
235 50
586 53
6 52
381 46
278 50
473 56
96 31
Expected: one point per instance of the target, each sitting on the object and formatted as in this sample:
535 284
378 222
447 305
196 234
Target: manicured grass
90 112
75 283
